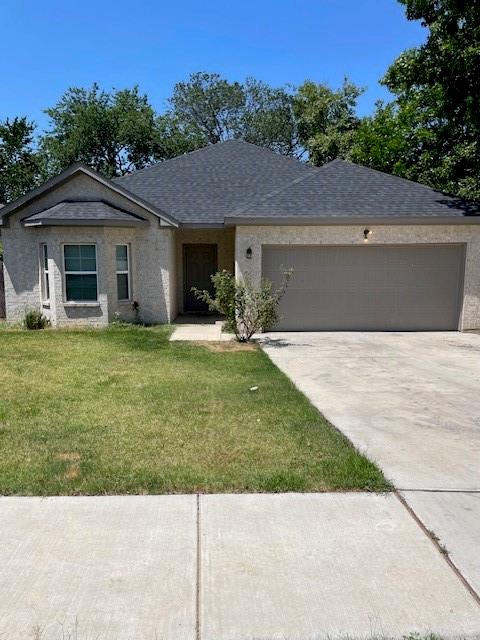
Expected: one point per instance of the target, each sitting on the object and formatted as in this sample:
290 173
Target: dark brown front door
199 264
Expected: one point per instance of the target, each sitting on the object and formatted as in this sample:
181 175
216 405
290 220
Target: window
123 271
45 280
80 272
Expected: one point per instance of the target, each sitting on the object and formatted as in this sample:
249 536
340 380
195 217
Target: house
370 251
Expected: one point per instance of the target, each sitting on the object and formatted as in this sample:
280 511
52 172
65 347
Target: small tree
247 308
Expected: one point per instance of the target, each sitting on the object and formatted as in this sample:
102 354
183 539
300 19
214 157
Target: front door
199 264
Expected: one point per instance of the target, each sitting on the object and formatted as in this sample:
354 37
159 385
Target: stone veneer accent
256 236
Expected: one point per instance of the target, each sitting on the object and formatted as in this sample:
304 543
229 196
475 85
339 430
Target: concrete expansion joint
438 490
441 549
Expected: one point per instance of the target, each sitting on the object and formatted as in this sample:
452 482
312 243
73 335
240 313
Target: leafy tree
208 104
215 110
114 133
174 139
20 163
437 89
382 140
268 119
326 119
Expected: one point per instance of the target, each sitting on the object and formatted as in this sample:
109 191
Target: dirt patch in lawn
229 347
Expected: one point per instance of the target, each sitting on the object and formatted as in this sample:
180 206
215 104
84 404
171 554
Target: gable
79 184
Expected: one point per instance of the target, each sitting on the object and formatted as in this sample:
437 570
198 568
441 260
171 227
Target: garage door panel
368 287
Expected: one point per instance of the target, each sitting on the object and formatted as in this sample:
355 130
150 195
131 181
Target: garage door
368 288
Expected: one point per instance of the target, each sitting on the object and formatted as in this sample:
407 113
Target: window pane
47 288
72 264
122 257
81 287
80 257
87 251
45 257
122 286
72 251
88 264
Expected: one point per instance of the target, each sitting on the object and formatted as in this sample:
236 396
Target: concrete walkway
200 331
411 402
221 567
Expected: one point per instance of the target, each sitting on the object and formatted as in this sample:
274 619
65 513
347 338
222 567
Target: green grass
122 410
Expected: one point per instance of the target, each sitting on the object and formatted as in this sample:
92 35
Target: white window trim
44 275
78 273
123 272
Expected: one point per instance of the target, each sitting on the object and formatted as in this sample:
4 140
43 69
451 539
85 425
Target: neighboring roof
342 189
69 173
96 212
204 186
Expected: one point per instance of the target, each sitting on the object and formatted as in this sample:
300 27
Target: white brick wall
152 255
157 263
256 236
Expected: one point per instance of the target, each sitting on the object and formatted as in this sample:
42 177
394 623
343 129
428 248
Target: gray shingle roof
83 212
237 179
342 188
206 185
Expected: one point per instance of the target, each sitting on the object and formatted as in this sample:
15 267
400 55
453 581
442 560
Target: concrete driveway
411 403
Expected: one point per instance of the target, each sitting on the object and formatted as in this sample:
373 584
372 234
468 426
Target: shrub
247 308
34 319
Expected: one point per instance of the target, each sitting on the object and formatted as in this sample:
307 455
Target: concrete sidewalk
218 567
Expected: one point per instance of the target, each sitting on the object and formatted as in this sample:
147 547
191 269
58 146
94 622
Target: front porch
199 253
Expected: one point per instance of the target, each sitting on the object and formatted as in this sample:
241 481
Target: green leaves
326 119
214 109
246 307
114 133
20 164
208 104
437 89
430 132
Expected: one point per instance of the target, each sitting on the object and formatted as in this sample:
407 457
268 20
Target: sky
47 46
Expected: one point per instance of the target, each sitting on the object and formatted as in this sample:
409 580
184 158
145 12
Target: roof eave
232 221
59 222
202 225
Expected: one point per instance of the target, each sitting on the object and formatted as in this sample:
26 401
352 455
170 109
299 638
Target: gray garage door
368 288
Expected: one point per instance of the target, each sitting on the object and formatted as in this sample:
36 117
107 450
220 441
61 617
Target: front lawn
122 410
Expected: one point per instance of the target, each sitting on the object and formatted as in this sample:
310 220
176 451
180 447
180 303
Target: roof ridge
163 162
209 145
63 203
274 192
390 175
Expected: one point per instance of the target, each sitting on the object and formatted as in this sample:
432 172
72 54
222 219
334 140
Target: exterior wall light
366 234
248 253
